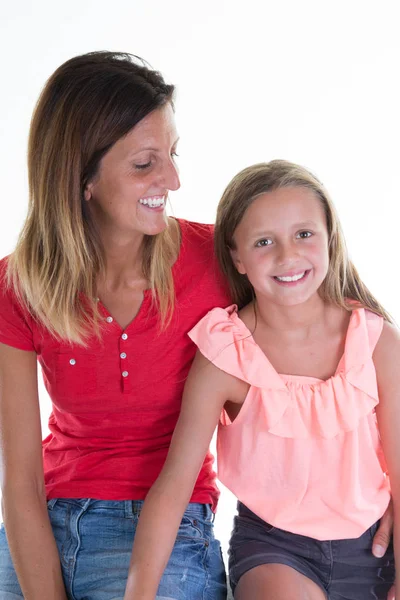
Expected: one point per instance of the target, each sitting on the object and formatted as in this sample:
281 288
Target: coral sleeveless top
304 454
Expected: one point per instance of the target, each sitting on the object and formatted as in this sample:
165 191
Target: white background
312 81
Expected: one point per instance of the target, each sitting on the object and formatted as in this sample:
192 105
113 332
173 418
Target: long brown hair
89 103
342 282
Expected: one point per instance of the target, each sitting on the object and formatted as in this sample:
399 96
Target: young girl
303 374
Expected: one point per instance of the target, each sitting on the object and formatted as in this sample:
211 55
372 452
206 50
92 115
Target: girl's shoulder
389 340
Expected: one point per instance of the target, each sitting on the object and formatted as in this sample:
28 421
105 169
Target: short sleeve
15 322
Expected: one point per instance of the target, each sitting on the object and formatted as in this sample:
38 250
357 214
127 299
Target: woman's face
129 192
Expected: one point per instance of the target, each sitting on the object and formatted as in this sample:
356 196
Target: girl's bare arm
387 363
29 534
206 391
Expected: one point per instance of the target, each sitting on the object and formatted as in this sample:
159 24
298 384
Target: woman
101 289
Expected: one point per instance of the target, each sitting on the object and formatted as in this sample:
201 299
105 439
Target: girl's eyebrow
301 225
306 224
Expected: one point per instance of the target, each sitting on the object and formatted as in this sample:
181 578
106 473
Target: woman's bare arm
206 391
30 537
387 361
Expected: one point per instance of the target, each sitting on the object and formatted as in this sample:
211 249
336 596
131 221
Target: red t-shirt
115 403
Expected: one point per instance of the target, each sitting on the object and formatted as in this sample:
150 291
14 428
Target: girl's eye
263 243
174 155
143 166
304 234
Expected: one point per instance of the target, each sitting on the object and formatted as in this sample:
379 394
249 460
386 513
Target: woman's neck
123 260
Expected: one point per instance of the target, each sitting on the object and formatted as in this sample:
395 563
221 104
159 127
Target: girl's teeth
294 278
152 202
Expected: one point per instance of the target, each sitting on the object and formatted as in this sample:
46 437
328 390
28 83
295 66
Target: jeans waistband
130 508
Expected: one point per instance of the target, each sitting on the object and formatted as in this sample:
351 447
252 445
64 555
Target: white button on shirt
109 319
123 355
72 361
125 373
124 336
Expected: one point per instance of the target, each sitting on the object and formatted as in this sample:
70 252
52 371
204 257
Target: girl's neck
299 320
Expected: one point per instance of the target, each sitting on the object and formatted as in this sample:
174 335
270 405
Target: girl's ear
237 262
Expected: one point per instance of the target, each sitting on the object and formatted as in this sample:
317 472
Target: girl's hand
382 540
384 533
391 595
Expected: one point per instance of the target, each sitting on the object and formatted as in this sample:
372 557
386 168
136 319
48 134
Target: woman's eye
174 154
304 234
262 243
143 166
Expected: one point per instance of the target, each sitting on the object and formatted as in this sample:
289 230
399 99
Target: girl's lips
292 280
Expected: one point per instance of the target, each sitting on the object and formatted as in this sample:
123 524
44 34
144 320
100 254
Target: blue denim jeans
95 537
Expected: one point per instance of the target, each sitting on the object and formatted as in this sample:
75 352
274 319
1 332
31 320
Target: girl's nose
288 254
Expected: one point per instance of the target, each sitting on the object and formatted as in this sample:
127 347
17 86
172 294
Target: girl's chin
294 298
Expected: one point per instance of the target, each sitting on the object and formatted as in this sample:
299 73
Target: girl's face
282 245
129 192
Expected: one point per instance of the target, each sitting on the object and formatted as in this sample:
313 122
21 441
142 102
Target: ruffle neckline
296 406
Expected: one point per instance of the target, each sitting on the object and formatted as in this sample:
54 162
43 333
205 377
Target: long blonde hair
89 103
342 282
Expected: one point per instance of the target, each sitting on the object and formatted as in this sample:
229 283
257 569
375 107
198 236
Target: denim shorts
95 537
344 569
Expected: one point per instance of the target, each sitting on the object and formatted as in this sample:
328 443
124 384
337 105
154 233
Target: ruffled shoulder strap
358 367
224 339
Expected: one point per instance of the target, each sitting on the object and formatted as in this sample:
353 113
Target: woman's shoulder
199 236
5 287
3 265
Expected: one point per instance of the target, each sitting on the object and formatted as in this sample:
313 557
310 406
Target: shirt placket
123 363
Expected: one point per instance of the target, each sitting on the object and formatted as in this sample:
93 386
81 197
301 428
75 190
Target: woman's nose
171 176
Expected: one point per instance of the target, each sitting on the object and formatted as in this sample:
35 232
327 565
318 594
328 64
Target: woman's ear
87 192
237 262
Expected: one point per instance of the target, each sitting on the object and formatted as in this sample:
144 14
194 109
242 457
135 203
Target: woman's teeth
293 278
155 202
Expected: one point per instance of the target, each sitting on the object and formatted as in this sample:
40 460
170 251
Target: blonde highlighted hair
342 282
89 103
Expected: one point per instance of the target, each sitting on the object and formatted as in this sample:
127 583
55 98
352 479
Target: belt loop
209 514
51 503
128 508
137 506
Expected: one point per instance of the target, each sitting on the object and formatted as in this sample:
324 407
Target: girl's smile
290 279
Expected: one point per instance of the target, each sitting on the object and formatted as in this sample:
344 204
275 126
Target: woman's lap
95 539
